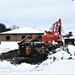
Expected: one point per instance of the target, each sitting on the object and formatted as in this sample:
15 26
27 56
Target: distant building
19 34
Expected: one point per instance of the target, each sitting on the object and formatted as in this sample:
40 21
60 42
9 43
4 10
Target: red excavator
55 34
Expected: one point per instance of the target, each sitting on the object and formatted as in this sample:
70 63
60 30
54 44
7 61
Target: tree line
3 28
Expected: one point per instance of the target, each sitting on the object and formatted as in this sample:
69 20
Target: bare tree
14 27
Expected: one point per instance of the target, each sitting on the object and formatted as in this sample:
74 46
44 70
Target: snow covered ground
7 46
61 65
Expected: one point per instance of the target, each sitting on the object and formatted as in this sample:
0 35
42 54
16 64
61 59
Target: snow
6 68
24 30
58 67
7 46
49 66
72 49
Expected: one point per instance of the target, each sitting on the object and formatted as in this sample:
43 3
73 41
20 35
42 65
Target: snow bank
7 68
71 49
58 67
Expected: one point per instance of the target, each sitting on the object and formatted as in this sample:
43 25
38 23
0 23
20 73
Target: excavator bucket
24 46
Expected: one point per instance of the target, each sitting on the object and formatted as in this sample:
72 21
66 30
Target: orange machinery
55 34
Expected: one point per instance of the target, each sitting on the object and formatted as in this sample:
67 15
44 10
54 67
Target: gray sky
36 13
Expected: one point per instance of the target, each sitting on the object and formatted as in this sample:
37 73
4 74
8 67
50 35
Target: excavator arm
24 39
31 39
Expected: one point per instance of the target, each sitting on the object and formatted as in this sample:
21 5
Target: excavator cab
50 36
55 34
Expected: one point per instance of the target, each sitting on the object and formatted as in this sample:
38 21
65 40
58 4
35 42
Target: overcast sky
36 13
